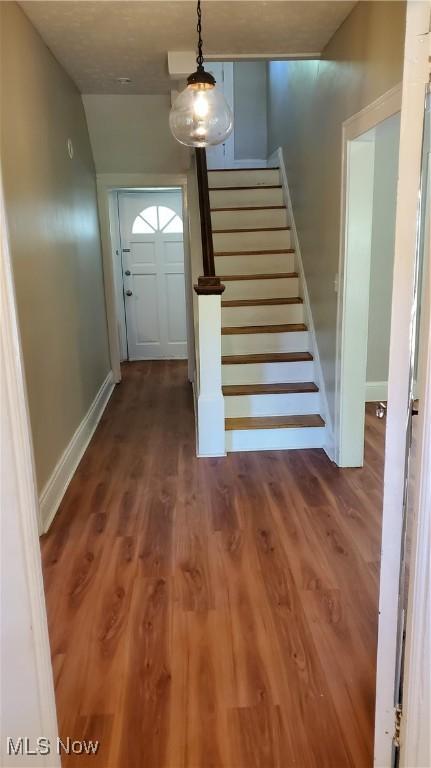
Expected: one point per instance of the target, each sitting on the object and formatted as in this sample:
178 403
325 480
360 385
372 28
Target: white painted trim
415 723
415 77
56 487
385 106
415 739
275 439
278 159
35 671
250 163
114 223
210 401
265 56
113 182
375 391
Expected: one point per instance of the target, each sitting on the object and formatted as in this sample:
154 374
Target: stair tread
258 186
234 330
250 208
255 252
269 389
232 231
268 357
261 302
274 422
265 276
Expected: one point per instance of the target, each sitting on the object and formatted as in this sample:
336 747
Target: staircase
271 398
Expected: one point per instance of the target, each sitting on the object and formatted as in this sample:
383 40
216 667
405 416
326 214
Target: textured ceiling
98 41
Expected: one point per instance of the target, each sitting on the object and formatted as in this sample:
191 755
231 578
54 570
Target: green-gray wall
307 104
53 223
249 81
387 141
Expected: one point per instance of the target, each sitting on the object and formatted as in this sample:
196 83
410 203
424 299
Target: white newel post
211 434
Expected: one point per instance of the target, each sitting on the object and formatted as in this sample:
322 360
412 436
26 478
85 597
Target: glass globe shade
200 116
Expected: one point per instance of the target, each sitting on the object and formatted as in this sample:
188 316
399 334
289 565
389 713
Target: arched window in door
157 218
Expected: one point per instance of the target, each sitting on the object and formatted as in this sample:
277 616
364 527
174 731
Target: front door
151 233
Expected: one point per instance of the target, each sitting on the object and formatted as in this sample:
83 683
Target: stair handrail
208 283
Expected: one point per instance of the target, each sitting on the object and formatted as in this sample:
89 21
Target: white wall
249 82
387 139
130 134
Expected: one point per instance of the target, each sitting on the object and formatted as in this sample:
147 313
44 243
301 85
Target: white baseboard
55 488
249 163
376 391
277 158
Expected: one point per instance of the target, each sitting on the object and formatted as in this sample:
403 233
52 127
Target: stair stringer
328 444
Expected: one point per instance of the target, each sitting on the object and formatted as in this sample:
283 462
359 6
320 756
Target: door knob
127 272
128 293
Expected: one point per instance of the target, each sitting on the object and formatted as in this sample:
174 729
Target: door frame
415 78
108 184
119 270
349 380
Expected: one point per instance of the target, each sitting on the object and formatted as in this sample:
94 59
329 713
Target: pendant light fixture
200 115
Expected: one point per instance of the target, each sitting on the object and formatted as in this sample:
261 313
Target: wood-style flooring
212 613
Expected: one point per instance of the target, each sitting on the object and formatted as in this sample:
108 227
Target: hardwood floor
209 613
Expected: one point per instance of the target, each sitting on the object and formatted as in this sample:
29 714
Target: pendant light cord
200 58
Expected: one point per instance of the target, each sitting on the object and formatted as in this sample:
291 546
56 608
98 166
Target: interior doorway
150 274
370 178
222 155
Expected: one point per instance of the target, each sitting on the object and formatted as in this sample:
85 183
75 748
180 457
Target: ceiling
98 41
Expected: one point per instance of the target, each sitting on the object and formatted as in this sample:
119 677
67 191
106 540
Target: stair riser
259 343
258 289
251 241
267 373
275 439
260 177
272 405
230 198
266 315
244 219
255 264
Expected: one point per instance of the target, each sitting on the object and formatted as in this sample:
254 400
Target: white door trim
34 673
415 741
108 183
346 380
415 77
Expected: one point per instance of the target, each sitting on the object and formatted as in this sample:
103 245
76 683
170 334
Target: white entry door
222 155
151 232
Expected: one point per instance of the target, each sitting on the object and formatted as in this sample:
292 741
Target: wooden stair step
234 330
252 208
261 302
267 357
291 388
274 422
266 276
258 186
253 229
255 252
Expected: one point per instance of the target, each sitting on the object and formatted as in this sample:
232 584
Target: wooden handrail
208 283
